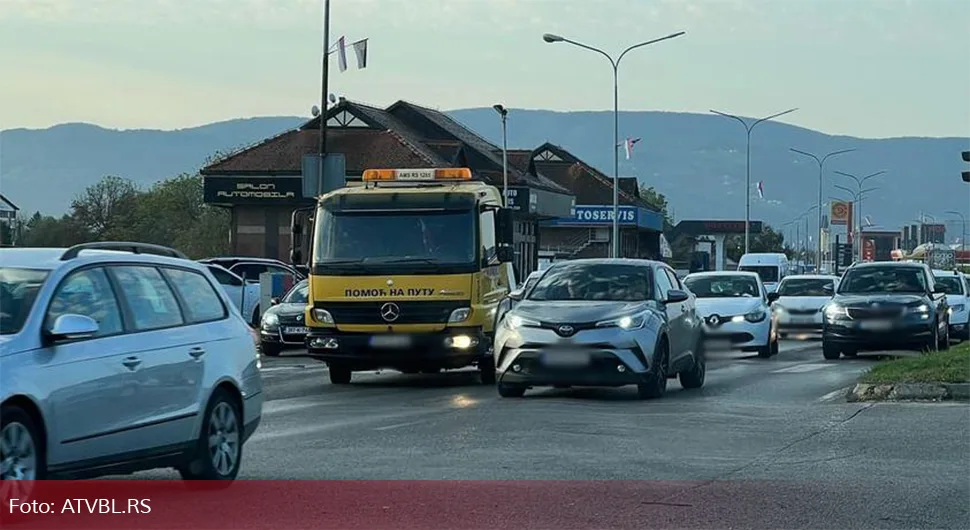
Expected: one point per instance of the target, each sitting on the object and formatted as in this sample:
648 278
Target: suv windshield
594 281
883 280
723 286
395 236
806 287
952 284
768 273
298 294
18 289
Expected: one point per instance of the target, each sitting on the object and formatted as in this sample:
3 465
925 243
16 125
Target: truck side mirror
505 254
296 256
504 227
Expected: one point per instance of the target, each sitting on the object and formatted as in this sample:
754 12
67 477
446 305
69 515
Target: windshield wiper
340 261
409 260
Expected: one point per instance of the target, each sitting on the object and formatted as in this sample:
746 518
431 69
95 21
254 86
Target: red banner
453 505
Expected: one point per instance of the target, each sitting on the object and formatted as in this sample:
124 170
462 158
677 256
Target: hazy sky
871 68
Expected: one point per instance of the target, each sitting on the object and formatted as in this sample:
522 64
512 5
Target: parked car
282 325
251 268
958 298
601 322
886 306
244 295
800 302
736 309
114 362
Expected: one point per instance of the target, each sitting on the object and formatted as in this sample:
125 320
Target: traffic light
966 158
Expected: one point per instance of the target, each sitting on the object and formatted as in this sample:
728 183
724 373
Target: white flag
360 48
342 54
628 145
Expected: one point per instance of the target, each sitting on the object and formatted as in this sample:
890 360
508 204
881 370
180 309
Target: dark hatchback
885 306
283 325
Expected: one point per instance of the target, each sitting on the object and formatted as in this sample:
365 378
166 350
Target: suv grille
863 313
408 312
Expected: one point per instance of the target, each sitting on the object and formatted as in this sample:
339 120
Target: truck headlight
270 321
460 315
322 316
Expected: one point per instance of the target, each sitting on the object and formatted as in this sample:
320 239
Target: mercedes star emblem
299 318
390 312
566 330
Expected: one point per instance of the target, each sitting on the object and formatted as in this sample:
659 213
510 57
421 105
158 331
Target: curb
910 392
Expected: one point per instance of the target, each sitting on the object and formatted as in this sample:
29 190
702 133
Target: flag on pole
360 48
342 54
761 189
629 146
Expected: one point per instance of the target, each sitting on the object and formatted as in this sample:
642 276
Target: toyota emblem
566 330
390 312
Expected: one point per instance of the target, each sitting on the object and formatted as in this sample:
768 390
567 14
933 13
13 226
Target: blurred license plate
390 341
876 325
802 320
296 331
566 358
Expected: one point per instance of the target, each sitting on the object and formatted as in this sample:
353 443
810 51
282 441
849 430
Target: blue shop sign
588 215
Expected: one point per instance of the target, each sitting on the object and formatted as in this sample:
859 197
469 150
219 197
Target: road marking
802 368
398 425
835 394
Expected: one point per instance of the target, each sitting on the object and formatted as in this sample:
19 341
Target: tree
657 200
768 240
104 209
47 231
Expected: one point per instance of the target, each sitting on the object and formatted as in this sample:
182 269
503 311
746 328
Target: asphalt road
764 444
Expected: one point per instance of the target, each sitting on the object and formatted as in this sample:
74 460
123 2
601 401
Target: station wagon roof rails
122 246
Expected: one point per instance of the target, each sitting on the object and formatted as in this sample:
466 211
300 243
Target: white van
770 266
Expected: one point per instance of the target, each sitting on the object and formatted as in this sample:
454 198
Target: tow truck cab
406 271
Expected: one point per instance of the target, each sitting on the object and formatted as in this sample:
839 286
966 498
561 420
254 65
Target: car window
594 281
806 287
87 292
18 291
298 294
724 286
152 303
663 284
674 280
225 277
884 280
952 284
249 271
768 273
202 303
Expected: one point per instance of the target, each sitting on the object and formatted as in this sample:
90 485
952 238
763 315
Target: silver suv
120 357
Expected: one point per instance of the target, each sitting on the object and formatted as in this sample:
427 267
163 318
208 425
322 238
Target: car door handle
197 352
131 362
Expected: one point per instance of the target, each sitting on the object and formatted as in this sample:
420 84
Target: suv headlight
322 316
835 312
756 316
514 322
630 322
460 315
922 308
270 321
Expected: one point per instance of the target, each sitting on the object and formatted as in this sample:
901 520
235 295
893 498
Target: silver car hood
578 311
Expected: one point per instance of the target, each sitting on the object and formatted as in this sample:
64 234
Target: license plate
876 325
802 320
566 358
390 341
296 331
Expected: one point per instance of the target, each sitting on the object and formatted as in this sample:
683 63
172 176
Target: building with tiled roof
8 218
262 184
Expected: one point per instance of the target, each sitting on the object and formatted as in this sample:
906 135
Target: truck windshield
395 238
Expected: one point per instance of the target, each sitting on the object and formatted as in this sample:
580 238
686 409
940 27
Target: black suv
885 306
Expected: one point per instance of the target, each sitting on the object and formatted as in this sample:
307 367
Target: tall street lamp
503 112
963 221
857 196
747 166
821 173
860 181
615 63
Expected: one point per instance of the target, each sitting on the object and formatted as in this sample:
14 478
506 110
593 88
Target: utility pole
324 82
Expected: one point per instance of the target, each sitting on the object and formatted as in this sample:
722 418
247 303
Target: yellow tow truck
407 269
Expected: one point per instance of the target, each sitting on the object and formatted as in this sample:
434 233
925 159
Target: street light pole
503 112
859 182
615 63
821 173
747 167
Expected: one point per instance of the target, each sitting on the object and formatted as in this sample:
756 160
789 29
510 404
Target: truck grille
408 312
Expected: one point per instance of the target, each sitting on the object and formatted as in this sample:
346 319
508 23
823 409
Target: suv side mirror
675 296
72 327
516 296
274 301
773 297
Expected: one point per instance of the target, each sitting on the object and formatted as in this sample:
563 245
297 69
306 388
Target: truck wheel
340 375
486 369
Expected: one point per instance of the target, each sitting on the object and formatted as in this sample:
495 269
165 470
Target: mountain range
696 160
